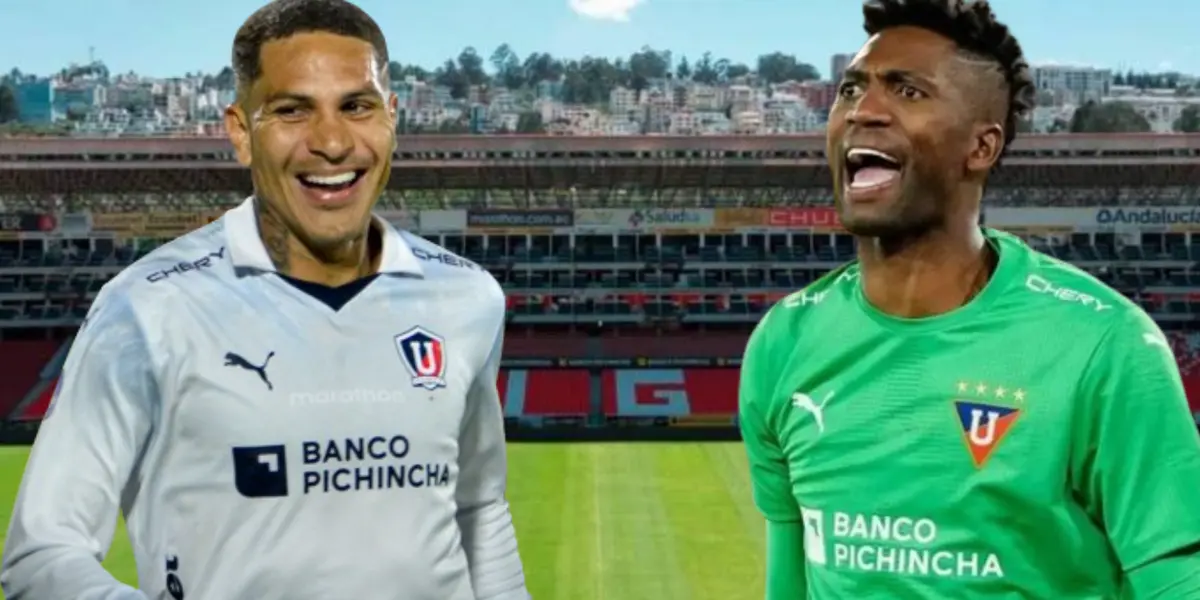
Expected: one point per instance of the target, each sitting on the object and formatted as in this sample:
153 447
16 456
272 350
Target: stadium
635 268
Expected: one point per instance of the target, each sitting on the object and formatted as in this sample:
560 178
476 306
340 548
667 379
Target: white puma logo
1154 340
805 402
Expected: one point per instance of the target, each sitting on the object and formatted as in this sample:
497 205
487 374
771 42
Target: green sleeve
1175 577
769 475
785 561
1136 460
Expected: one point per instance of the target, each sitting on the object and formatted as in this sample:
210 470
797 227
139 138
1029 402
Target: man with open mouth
954 415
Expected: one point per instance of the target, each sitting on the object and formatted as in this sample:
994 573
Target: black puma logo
235 360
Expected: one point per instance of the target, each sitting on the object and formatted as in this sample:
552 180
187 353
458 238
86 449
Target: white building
706 97
1073 84
1160 107
748 122
622 100
743 98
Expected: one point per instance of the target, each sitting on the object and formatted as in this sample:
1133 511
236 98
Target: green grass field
601 521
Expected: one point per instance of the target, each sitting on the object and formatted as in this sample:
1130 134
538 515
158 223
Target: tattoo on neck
274 235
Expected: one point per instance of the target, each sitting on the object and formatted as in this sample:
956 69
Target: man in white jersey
297 401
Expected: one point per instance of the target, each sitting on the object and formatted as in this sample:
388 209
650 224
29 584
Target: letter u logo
989 434
425 358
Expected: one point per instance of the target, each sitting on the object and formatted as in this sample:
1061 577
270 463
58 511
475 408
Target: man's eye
911 92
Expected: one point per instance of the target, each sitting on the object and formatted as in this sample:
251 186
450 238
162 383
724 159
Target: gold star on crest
1000 392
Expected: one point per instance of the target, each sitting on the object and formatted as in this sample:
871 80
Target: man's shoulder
193 261
830 290
147 291
1062 290
1050 294
441 266
784 324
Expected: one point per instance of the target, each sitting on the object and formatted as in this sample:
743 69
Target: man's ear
237 127
987 146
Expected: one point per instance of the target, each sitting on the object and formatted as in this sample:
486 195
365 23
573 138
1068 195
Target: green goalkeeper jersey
1035 443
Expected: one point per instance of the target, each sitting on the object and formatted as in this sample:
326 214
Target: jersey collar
246 248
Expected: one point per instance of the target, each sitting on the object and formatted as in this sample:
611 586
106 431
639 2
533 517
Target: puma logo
235 360
1156 340
805 402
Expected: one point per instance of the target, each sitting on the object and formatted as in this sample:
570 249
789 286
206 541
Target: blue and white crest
424 355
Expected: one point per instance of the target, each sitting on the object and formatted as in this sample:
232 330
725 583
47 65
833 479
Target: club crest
424 355
983 427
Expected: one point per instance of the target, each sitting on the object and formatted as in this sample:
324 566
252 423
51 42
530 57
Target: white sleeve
81 464
488 538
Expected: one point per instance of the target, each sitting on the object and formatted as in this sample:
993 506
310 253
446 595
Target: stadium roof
66 165
458 147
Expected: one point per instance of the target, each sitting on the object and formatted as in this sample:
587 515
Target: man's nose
331 139
871 110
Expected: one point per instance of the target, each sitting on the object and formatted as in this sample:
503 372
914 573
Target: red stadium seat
23 364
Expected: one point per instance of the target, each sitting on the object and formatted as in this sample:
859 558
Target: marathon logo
505 219
184 267
1154 217
366 463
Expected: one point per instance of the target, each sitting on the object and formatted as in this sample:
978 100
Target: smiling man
297 401
954 415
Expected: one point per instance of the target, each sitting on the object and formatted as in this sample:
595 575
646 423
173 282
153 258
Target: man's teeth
858 154
341 179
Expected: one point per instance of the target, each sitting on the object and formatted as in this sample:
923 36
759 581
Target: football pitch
615 521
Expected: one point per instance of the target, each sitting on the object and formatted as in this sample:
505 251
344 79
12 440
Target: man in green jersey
953 415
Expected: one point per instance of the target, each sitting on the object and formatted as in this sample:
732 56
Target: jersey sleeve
488 537
769 476
770 479
1136 460
786 577
82 464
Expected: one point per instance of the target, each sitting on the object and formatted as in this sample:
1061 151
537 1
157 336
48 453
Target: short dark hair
284 18
974 29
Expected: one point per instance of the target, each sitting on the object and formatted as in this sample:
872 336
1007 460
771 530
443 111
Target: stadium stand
575 198
635 267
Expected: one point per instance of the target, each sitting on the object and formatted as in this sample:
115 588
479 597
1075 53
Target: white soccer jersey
263 445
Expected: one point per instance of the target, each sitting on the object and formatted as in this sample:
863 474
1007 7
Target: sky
170 37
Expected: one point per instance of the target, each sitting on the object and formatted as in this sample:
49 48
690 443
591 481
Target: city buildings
95 103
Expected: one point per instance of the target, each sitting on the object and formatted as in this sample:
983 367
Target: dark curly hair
974 29
284 18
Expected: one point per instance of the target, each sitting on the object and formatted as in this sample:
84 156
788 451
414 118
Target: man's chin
864 222
895 228
331 227
332 246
